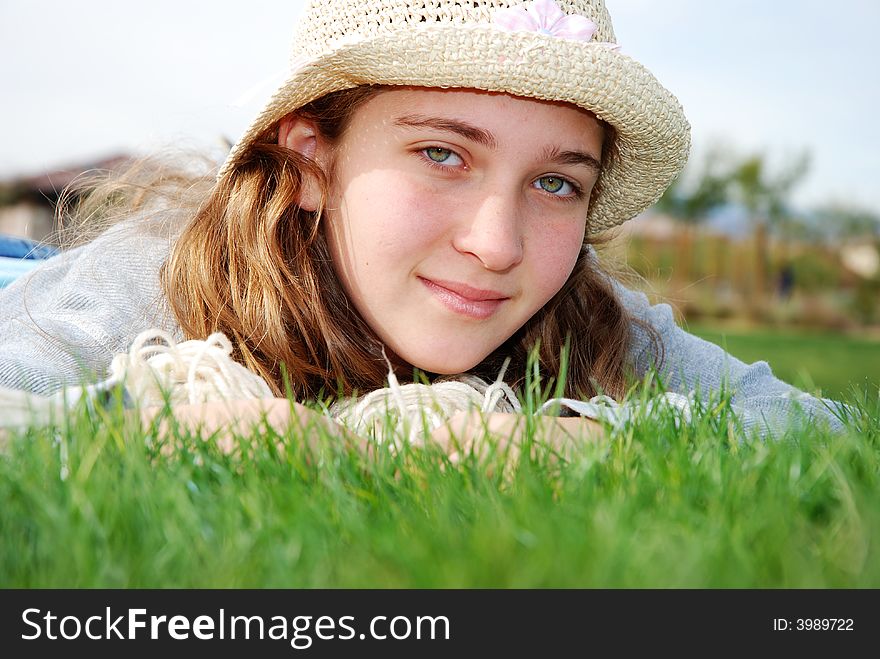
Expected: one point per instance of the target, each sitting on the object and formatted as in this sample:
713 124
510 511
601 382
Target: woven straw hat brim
653 136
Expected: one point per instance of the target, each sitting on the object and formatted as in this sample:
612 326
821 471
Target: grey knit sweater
62 323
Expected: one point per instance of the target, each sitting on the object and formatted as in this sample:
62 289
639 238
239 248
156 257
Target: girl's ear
301 135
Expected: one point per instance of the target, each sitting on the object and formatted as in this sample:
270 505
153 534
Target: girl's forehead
465 98
479 107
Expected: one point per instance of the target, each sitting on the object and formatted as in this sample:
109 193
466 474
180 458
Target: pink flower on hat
545 17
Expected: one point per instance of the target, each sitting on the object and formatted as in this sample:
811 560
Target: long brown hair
255 266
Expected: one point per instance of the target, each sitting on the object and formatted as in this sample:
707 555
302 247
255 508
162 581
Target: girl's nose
492 232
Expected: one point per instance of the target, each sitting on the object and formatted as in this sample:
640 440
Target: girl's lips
465 300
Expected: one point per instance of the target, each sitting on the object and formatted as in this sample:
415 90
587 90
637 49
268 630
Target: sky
89 79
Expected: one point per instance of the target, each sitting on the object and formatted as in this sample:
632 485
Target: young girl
423 191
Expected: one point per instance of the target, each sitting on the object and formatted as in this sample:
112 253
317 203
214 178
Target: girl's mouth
464 299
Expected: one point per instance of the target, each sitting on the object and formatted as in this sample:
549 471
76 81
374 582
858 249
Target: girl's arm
464 434
224 420
480 434
62 323
690 363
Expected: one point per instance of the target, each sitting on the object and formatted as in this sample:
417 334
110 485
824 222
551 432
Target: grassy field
830 363
103 503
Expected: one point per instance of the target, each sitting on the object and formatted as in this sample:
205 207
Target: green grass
830 363
101 504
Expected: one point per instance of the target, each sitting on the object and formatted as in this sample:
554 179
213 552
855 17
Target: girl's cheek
426 210
557 252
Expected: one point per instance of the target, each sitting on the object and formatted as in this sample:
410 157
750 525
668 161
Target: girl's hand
227 419
481 434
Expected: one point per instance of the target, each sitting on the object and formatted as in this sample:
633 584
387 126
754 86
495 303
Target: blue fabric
12 269
20 255
22 248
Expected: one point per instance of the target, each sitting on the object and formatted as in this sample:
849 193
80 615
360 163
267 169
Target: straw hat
538 49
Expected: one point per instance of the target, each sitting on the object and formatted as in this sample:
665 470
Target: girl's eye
556 185
437 154
441 156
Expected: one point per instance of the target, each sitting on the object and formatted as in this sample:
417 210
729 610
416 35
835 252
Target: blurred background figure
786 281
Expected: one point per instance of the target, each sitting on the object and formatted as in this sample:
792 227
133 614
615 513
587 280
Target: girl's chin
443 353
446 366
444 369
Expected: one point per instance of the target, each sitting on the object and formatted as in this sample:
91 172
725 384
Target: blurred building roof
44 188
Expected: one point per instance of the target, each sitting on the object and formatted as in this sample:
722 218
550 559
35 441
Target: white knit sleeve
690 364
61 323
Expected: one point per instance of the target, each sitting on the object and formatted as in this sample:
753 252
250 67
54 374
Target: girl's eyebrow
466 130
556 155
485 138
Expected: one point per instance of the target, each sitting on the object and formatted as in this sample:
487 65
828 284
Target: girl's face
455 215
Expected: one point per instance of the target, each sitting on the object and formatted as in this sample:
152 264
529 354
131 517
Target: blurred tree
691 198
838 221
856 232
765 196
